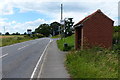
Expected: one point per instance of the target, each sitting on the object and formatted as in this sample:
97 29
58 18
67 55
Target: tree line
44 29
47 29
56 28
52 29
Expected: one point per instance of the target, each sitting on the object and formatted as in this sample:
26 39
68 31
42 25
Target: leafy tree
0 33
116 35
13 34
116 28
43 29
55 28
25 33
68 27
17 33
33 32
7 33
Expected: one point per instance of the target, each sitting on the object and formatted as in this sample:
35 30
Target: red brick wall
98 30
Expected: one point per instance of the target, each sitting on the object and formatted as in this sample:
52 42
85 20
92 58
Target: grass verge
12 40
92 63
69 40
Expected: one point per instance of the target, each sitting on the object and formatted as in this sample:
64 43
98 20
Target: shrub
38 35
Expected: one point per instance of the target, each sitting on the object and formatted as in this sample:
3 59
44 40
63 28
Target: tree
13 34
0 33
68 27
7 33
55 28
17 33
25 33
43 29
33 32
116 28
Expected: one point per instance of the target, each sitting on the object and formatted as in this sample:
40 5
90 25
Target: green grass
13 40
92 63
69 40
116 36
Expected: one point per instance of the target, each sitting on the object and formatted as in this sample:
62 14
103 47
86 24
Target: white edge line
39 75
39 61
4 55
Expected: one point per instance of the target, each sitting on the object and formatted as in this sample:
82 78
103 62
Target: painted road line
28 45
32 76
22 47
4 55
39 75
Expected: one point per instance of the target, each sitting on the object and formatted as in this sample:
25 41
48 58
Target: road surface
20 60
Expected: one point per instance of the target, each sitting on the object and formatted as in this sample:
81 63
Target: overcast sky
20 15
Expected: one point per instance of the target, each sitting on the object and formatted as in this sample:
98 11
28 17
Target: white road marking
22 47
39 75
4 55
26 45
32 76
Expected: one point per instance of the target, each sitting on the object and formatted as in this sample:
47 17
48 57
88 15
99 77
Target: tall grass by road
5 40
13 40
90 63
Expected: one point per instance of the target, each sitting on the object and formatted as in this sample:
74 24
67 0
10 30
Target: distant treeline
52 29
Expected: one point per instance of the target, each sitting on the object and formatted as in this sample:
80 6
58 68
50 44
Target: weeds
13 40
92 63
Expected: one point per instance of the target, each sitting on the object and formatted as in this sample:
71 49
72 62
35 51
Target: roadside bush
19 38
116 37
38 35
26 36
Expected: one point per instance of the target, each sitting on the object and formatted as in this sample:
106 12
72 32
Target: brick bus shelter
94 30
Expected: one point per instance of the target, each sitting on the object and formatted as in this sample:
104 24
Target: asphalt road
19 60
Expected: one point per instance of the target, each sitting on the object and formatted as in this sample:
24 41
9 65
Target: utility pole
61 11
61 22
